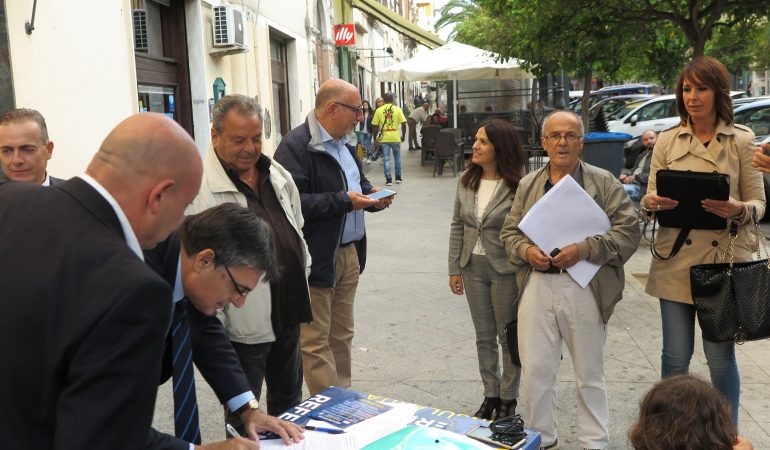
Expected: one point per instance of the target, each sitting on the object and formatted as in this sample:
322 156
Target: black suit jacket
212 353
55 181
83 323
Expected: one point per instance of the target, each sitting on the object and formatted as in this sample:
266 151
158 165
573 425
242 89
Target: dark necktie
186 423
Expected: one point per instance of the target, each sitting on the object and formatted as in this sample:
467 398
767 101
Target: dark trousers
279 364
413 143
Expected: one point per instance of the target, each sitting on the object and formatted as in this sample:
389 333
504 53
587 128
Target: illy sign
344 34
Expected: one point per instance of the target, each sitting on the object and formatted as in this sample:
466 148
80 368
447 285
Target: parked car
609 105
756 115
657 114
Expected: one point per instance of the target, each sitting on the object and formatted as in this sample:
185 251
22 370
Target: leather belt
552 270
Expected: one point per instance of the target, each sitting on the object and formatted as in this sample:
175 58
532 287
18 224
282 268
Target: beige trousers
326 341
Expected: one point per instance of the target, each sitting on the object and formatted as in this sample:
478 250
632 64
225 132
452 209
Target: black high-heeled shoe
487 408
506 408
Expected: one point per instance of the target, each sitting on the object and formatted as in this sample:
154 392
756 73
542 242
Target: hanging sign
344 34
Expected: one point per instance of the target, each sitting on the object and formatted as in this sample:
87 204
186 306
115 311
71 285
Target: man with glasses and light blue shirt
333 191
215 259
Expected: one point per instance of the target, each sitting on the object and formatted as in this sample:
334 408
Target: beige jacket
464 230
610 250
730 152
251 323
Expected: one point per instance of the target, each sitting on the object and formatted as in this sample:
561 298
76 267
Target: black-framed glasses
238 288
569 136
355 109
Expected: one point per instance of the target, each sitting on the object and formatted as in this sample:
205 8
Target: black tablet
689 189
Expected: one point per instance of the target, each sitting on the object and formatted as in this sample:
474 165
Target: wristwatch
250 405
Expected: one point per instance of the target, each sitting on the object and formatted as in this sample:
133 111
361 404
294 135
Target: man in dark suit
25 148
84 317
216 259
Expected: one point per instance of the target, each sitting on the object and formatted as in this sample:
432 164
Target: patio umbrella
454 61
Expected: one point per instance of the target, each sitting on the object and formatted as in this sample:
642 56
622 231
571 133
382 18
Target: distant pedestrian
635 183
418 116
364 127
385 125
478 264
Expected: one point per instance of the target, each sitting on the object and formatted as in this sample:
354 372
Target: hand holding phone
383 193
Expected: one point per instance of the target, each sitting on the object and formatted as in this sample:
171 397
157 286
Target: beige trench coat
729 152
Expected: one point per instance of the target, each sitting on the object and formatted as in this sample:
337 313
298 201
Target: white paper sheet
382 425
315 440
566 214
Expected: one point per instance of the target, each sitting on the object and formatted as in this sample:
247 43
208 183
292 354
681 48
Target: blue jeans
386 148
366 140
678 345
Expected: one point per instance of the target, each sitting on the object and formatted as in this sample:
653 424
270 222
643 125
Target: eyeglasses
570 137
355 109
240 290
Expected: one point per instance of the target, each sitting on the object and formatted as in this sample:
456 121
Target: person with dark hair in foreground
685 412
216 258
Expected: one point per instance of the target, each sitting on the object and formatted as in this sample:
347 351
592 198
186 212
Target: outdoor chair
460 160
448 149
428 133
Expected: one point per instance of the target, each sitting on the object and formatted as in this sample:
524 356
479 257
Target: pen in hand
324 430
232 431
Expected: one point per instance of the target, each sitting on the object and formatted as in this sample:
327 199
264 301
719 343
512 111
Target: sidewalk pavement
415 341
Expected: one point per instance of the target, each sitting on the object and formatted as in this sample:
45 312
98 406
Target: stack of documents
565 215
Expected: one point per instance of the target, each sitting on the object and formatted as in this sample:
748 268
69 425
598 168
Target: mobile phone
485 434
383 193
555 252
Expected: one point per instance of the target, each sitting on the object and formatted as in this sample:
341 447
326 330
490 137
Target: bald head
648 139
335 107
151 166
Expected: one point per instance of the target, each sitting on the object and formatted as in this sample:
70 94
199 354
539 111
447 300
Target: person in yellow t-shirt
385 124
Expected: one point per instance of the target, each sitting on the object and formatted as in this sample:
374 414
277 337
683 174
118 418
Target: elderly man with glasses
214 260
265 332
553 308
333 190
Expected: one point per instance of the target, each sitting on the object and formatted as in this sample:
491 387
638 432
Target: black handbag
511 335
732 300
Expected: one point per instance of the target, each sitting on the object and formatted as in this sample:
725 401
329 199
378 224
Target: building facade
88 64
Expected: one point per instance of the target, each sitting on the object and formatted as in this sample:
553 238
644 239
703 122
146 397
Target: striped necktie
186 423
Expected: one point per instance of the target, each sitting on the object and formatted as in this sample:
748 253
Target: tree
697 19
456 12
547 35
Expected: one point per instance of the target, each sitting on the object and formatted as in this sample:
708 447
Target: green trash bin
605 150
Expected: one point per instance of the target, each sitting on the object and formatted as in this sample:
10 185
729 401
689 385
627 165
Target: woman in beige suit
705 141
478 264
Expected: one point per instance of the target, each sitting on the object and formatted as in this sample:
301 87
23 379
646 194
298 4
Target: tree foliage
630 39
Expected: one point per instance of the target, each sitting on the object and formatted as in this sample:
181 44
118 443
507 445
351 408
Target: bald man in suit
85 318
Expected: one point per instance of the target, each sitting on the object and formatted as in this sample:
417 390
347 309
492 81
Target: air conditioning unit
229 30
140 30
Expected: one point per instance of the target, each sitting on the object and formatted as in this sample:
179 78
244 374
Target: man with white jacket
265 332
